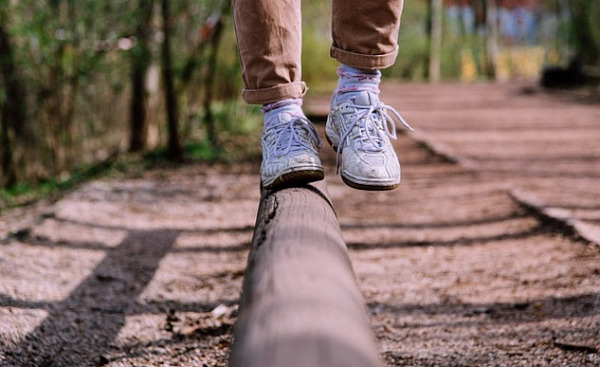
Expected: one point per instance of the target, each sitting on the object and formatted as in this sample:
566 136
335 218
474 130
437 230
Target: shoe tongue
283 115
365 98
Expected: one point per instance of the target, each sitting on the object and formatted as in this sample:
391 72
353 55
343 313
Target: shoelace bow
289 139
376 121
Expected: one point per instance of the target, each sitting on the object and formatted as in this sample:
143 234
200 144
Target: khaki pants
365 35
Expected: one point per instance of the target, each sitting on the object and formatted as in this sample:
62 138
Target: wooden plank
301 305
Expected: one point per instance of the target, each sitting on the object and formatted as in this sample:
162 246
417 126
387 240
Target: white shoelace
372 120
290 139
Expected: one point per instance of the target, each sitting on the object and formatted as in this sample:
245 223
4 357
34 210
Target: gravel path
478 259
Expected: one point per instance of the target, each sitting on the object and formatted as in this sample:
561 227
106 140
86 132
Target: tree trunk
71 90
140 62
13 107
174 145
8 174
53 92
491 38
435 40
209 120
584 26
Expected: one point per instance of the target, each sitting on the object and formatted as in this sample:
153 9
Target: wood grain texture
301 305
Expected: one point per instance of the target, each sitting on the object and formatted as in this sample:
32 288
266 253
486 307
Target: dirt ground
485 255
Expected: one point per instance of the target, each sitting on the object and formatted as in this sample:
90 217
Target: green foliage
413 46
236 117
239 127
318 68
23 193
228 81
202 151
74 60
585 30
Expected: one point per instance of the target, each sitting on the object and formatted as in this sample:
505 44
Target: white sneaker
290 152
359 128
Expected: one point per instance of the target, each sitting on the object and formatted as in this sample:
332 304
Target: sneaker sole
365 187
296 178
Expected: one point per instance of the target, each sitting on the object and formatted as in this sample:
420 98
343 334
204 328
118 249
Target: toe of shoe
371 165
303 162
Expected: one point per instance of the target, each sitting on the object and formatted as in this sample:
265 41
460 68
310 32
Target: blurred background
85 83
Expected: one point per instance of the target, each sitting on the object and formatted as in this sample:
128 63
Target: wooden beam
300 305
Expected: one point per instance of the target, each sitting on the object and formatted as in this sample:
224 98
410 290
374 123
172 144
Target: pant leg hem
363 61
274 94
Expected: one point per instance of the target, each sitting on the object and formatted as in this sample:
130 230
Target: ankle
350 71
353 79
271 111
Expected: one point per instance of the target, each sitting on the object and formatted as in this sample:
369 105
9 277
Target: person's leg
365 32
365 35
269 42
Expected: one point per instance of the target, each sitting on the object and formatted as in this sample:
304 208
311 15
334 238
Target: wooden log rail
300 303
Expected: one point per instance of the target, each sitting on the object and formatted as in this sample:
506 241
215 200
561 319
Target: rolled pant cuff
363 61
274 94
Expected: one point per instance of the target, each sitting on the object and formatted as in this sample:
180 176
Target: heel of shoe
328 135
296 178
333 146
